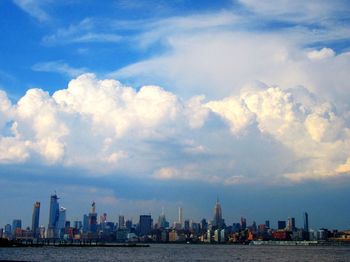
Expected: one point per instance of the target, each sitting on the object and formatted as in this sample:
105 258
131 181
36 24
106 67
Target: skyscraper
61 224
16 226
121 222
53 217
306 221
181 216
93 219
145 225
35 219
218 222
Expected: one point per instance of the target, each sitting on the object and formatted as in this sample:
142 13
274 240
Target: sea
178 252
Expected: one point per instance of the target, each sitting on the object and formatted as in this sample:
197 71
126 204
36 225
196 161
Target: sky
140 105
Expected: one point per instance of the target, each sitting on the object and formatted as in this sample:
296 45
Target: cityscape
148 229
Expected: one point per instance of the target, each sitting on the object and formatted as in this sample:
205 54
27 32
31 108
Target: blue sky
140 105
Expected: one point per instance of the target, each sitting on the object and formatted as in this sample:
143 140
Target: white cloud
34 8
107 128
58 67
321 54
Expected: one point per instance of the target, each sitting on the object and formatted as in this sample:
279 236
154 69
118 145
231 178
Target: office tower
103 218
53 217
306 221
8 231
281 224
162 223
85 223
204 225
35 219
121 222
93 219
77 224
267 223
16 227
187 225
243 223
180 216
145 225
218 221
128 224
61 224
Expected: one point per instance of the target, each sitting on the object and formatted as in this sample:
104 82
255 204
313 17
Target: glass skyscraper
53 217
35 219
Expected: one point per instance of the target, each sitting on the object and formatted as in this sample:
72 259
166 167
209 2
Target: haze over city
144 105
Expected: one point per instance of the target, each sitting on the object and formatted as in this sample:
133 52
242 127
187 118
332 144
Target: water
179 252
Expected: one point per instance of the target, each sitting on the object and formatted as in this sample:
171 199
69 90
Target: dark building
306 222
35 219
243 223
218 221
267 223
145 225
204 225
281 224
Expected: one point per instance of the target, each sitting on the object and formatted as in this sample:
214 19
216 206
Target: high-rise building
281 224
218 221
243 223
93 219
180 216
187 225
85 223
35 219
145 225
267 223
121 222
53 217
61 224
306 221
16 226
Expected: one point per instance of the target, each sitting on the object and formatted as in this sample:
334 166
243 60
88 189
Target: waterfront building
7 231
145 225
53 217
267 224
35 219
291 224
187 225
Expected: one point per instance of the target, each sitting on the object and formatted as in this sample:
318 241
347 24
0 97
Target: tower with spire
218 221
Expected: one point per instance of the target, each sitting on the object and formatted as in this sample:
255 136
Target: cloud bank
263 133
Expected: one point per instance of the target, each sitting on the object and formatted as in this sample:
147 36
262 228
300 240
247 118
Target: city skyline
140 105
57 212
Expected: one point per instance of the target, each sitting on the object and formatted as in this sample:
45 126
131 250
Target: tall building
61 224
145 225
53 217
306 221
267 223
16 226
180 216
121 222
35 219
218 221
243 223
281 224
93 219
291 224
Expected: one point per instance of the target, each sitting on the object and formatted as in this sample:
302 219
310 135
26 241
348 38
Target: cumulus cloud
321 54
107 127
